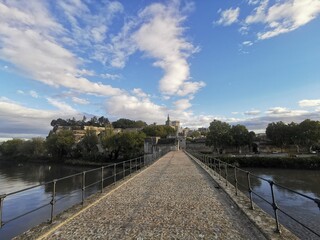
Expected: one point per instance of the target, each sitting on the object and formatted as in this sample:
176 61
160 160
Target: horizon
250 63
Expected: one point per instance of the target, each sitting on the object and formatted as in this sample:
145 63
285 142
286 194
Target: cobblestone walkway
172 199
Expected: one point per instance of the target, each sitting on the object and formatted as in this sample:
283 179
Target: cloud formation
30 37
309 103
229 16
161 37
20 121
284 16
276 17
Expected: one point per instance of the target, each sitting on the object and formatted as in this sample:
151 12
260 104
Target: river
14 176
306 182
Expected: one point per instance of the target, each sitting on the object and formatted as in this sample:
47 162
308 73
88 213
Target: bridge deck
172 199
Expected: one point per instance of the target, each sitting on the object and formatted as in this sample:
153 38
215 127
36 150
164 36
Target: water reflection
301 208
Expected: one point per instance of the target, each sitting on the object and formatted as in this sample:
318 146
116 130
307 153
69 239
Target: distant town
99 140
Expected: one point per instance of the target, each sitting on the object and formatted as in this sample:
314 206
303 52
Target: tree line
106 146
304 134
222 135
98 122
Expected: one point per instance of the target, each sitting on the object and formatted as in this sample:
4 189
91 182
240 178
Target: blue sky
250 62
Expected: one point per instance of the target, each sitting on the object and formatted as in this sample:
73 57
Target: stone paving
172 199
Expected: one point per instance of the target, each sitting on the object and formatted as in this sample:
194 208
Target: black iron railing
230 173
102 179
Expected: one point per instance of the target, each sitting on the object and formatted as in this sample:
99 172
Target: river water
14 177
306 211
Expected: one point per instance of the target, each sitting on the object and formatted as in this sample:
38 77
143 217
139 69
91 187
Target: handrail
215 165
127 168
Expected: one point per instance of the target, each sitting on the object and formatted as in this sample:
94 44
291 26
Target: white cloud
20 91
182 104
284 16
139 93
30 38
80 100
252 112
62 106
229 16
309 103
247 43
33 94
24 122
161 37
133 107
110 76
281 111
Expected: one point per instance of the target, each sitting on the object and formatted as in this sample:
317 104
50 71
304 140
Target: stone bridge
175 198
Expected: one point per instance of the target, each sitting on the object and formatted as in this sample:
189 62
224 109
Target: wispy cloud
80 100
161 37
62 106
284 16
20 121
276 17
252 112
228 17
309 103
30 38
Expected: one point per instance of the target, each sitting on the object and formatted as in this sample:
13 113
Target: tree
11 147
240 136
89 144
127 123
103 121
309 132
219 135
127 144
278 133
158 131
60 144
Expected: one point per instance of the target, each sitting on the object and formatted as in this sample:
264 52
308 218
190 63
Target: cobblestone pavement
172 199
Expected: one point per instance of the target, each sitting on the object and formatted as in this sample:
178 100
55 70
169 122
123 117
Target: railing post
226 172
102 179
219 169
235 180
114 173
214 166
124 170
83 186
275 208
52 202
136 164
249 190
130 166
1 207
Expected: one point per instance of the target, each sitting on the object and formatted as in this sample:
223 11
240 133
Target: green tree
240 136
127 123
11 147
88 145
309 132
60 144
126 144
219 135
278 133
158 131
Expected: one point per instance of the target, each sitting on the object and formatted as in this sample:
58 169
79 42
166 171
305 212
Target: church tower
168 122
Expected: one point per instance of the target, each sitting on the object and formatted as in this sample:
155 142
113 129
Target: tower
168 122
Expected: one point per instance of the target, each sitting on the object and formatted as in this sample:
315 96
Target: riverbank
312 163
49 160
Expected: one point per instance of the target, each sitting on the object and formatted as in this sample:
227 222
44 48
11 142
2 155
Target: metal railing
230 173
119 171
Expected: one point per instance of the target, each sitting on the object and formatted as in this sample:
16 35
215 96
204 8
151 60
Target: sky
247 62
